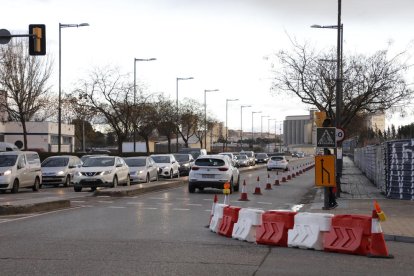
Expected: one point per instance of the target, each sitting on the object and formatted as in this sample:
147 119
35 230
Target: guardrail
390 166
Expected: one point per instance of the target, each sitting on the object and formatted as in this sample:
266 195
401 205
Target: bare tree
148 121
24 79
190 119
167 124
370 83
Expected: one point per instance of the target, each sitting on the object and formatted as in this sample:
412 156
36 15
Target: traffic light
37 42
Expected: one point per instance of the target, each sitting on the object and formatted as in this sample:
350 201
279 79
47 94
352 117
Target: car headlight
60 173
186 165
106 172
139 172
8 172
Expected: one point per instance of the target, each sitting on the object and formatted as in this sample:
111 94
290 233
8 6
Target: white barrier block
217 216
308 230
245 227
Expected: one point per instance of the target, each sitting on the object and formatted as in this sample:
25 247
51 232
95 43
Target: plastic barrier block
349 234
308 231
230 217
274 228
245 228
217 217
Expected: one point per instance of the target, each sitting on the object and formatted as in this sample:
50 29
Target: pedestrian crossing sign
326 137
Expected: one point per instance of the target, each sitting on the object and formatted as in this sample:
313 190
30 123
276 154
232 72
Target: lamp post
253 112
178 79
339 56
205 114
60 78
135 89
241 124
227 130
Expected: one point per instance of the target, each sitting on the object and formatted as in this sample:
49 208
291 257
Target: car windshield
277 158
249 154
182 158
136 162
261 155
161 159
55 162
8 160
242 157
210 162
99 162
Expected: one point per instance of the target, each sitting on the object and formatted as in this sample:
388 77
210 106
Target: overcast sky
223 44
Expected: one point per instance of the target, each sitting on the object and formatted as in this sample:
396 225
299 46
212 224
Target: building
41 136
375 122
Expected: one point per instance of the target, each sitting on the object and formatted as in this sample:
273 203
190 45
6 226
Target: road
164 233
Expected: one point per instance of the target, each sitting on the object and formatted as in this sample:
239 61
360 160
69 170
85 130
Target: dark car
262 158
186 161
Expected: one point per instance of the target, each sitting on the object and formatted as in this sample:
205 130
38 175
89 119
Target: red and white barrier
217 217
245 228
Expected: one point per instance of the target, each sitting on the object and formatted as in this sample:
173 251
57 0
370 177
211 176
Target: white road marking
180 209
149 208
103 196
37 215
135 203
159 198
77 201
104 201
267 203
162 203
208 199
116 207
194 204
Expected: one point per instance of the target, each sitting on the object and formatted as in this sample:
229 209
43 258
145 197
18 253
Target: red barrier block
230 217
274 228
349 234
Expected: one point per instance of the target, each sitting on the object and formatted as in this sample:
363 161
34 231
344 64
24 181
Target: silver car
142 169
58 170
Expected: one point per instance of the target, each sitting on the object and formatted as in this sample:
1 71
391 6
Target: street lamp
178 79
205 114
241 124
60 78
227 130
253 112
135 89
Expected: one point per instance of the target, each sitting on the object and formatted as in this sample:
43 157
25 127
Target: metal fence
390 166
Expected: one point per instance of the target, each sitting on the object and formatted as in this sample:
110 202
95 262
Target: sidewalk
357 197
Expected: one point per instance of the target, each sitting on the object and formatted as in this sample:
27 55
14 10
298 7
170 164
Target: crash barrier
249 221
217 217
349 234
230 217
309 230
275 226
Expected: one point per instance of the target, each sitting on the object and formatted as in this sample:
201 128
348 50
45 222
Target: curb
397 238
33 206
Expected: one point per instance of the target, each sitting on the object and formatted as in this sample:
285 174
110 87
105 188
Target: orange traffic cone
378 248
268 185
257 190
283 176
289 175
243 196
277 181
215 200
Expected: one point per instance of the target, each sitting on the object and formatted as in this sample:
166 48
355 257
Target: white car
101 171
168 167
277 162
142 169
213 171
58 170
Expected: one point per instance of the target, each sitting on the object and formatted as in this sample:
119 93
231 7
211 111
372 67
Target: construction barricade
245 228
217 217
274 228
230 217
349 234
309 230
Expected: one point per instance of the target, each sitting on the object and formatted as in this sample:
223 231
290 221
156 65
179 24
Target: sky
222 44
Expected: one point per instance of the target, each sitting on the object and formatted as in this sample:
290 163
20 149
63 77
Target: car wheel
236 187
157 177
77 189
147 180
171 174
178 174
93 189
67 181
36 185
15 188
191 188
128 181
115 182
268 169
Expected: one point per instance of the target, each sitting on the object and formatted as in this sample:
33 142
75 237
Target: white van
19 169
4 146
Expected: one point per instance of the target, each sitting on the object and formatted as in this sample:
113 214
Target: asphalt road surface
164 233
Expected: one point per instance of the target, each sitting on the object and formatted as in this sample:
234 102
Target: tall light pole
241 124
178 79
227 130
60 78
135 91
205 114
253 112
339 78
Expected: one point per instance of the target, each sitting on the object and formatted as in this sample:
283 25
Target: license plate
208 175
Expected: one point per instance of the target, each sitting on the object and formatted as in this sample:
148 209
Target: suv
251 156
168 167
277 162
59 169
213 171
262 158
231 156
19 169
185 160
101 171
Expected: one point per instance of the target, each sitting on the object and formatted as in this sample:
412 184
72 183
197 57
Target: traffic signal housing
37 40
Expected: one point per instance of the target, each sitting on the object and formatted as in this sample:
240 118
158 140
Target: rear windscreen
277 158
210 162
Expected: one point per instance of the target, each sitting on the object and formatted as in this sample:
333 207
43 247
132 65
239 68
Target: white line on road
149 208
194 204
77 201
116 207
159 198
103 196
162 203
267 203
104 201
135 203
180 209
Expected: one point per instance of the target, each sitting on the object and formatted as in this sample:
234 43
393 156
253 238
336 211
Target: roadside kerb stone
33 205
